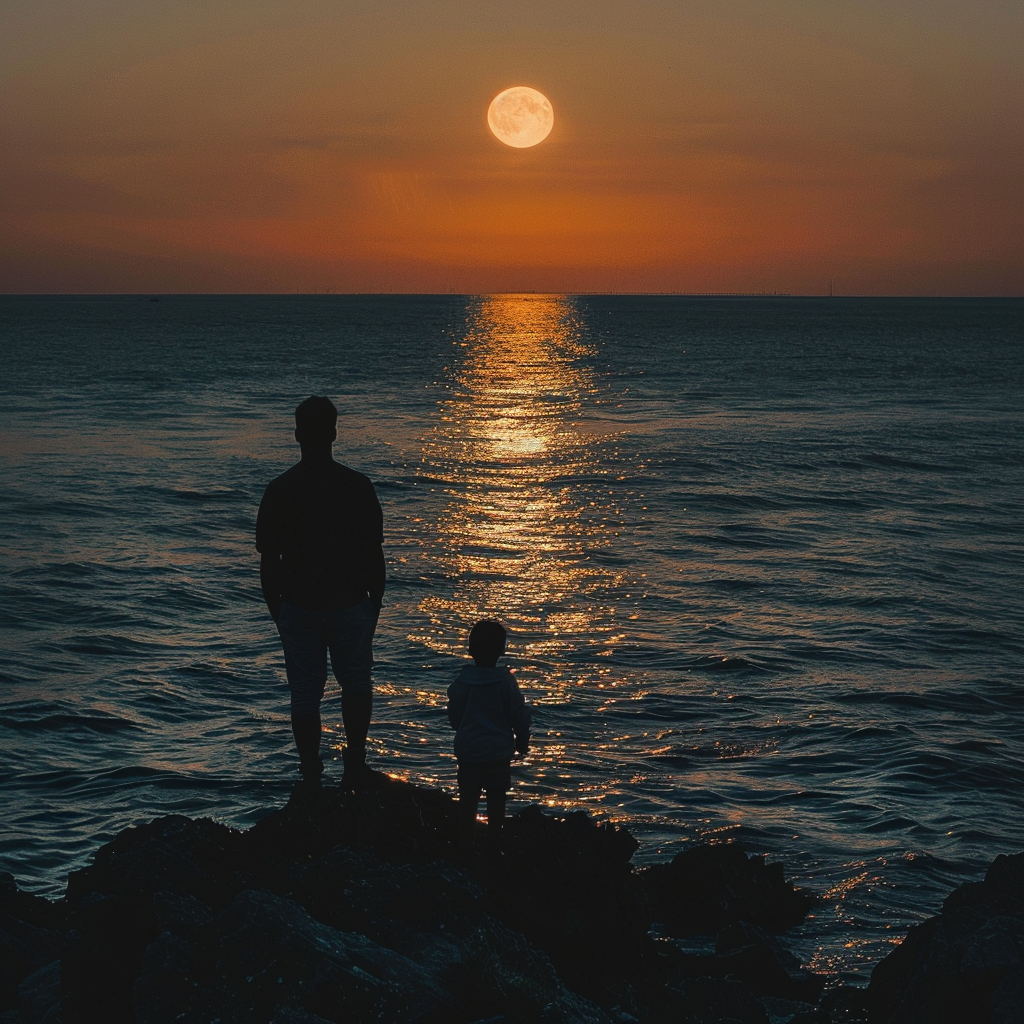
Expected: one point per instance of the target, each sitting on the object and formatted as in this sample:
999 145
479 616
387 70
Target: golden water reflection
527 506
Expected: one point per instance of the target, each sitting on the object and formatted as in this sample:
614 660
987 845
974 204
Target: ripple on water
751 598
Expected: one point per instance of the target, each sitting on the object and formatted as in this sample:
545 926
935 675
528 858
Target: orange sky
234 145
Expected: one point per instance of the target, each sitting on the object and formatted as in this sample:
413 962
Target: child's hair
487 642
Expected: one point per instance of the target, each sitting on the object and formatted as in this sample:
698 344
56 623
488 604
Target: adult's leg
355 714
356 709
351 644
305 658
307 730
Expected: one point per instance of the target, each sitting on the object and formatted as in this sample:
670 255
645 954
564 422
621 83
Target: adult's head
316 424
487 642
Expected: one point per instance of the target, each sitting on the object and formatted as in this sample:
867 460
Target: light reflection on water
834 678
514 535
527 515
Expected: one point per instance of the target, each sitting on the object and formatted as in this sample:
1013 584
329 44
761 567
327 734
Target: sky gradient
238 146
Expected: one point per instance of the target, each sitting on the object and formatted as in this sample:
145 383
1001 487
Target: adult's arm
270 582
376 568
269 546
378 577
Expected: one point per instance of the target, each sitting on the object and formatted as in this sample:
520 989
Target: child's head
487 643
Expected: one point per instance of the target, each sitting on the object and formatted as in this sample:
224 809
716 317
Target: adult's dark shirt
324 522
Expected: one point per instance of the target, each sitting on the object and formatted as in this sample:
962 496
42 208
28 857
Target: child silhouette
492 725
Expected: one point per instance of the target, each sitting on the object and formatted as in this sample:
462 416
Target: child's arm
458 698
520 716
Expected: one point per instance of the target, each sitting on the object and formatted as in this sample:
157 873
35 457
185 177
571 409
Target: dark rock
845 1004
39 995
271 953
29 937
966 964
993 951
762 963
788 1011
714 1001
1007 999
708 887
1002 890
409 822
620 1016
172 984
565 883
23 949
181 915
199 859
568 885
405 906
291 1015
366 907
103 948
812 1016
499 971
571 1009
744 954
25 907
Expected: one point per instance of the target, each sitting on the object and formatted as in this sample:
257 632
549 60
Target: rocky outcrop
30 937
964 965
365 908
707 888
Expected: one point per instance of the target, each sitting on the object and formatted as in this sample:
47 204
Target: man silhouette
320 534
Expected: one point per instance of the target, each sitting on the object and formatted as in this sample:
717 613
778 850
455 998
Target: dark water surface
761 561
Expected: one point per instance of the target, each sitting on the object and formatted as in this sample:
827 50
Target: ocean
760 560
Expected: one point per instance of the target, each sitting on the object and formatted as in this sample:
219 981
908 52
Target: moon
520 116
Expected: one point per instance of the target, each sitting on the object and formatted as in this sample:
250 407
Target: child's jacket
490 718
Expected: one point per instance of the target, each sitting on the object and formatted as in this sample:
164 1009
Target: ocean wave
69 723
754 598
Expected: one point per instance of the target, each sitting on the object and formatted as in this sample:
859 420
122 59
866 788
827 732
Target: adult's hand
270 584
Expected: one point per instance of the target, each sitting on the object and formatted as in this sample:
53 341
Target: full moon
520 116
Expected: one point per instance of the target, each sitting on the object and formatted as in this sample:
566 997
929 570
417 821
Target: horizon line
331 293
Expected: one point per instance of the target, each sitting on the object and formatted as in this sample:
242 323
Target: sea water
760 561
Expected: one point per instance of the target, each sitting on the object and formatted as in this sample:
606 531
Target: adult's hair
487 641
316 421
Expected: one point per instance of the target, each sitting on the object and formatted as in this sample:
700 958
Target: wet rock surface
965 964
365 907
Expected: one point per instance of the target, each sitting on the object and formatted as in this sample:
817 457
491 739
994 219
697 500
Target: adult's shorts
307 636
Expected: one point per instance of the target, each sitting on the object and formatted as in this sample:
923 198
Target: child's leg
469 798
495 811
